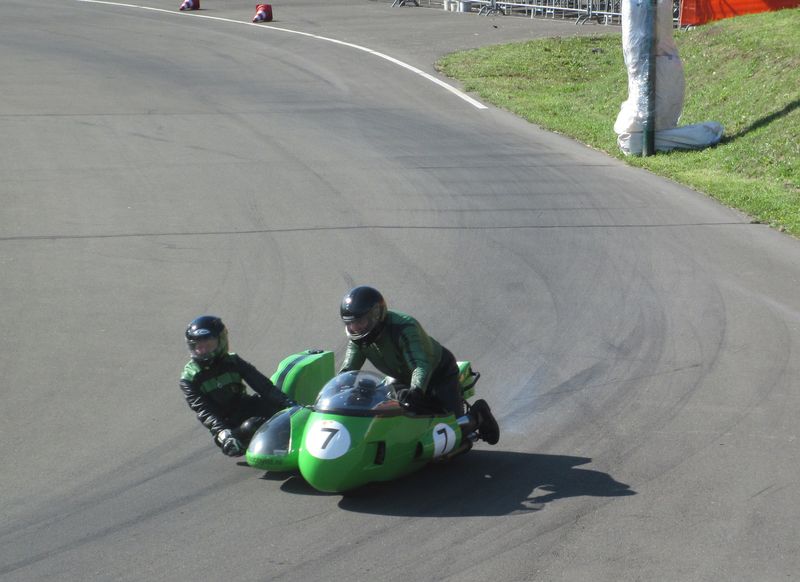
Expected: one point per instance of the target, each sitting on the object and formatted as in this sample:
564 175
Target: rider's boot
488 429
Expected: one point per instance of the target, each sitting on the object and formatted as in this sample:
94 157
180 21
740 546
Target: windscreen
272 437
360 393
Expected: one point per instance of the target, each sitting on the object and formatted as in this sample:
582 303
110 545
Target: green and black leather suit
403 350
218 396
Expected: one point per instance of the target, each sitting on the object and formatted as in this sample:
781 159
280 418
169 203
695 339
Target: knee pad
249 427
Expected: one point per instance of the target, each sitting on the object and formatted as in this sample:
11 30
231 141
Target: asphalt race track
638 342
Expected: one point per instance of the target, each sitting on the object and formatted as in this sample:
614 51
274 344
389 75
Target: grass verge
742 72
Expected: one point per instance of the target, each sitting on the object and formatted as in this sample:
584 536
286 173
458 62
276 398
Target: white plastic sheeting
669 86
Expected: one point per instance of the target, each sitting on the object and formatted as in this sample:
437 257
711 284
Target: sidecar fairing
274 446
301 376
358 432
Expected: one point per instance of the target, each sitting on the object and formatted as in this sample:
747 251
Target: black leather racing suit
218 396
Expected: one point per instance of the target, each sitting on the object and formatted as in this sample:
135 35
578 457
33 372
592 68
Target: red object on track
263 13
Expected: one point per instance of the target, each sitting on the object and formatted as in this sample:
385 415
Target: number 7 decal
444 439
327 439
442 432
332 434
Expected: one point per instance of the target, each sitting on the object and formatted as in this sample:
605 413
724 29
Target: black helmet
207 338
363 311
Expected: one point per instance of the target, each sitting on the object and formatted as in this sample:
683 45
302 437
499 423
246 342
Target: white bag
670 85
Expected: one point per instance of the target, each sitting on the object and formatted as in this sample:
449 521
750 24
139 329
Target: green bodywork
467 379
301 376
380 449
336 452
291 420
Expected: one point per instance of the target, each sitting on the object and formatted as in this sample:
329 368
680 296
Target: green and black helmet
207 339
363 312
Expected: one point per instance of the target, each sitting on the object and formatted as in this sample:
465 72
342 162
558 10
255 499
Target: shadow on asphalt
481 483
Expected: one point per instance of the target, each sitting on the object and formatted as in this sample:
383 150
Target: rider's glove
229 444
413 397
233 447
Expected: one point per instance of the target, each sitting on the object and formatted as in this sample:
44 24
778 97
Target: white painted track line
416 71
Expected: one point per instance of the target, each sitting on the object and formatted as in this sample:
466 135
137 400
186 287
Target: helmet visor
203 348
359 327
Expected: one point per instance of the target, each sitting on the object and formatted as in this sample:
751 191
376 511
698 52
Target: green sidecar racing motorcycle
350 429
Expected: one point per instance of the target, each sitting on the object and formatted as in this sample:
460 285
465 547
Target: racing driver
398 346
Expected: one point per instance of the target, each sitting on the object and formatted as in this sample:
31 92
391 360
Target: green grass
742 72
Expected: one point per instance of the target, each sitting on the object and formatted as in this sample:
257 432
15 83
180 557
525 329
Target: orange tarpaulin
701 11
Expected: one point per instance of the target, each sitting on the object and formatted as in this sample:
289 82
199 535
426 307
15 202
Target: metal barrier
607 12
562 9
